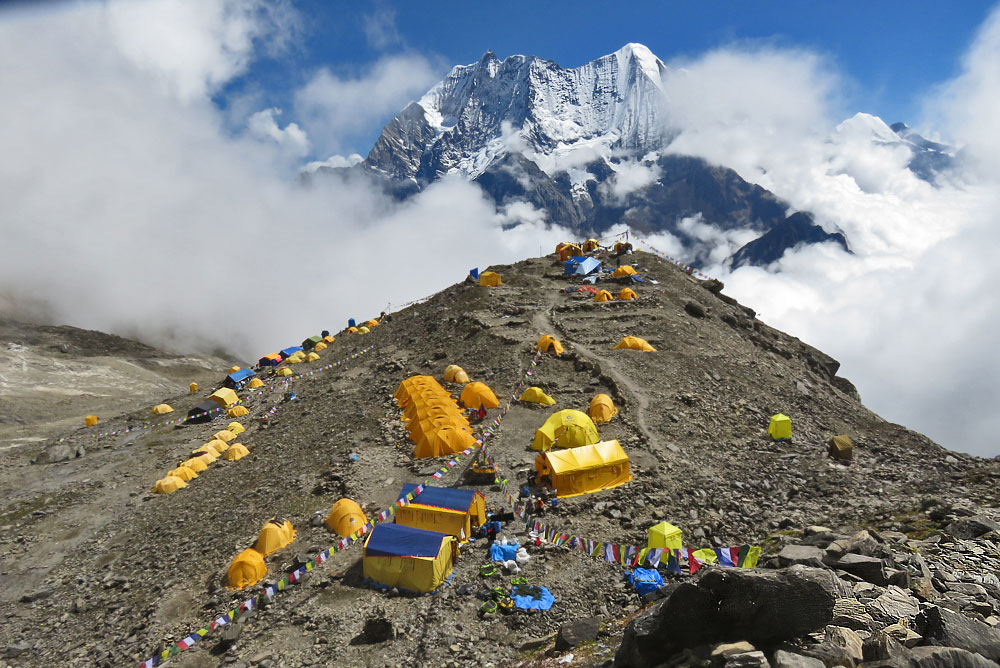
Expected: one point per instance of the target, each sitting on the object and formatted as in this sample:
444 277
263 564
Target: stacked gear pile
434 421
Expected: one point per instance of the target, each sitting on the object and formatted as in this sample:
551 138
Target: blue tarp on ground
500 552
531 597
441 497
645 580
290 351
581 265
237 378
396 540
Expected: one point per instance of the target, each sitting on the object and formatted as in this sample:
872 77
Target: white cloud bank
911 314
128 207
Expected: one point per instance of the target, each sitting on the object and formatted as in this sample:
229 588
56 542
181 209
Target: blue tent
236 379
531 597
396 540
645 580
581 265
474 272
351 323
441 497
288 352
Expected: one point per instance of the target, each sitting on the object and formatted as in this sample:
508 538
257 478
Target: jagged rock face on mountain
797 229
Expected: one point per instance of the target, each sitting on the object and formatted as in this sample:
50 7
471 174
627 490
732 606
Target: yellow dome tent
312 357
292 359
224 396
247 569
352 330
217 444
254 384
568 251
548 341
206 453
455 374
345 518
591 245
193 387
329 339
583 470
535 395
89 420
276 534
363 330
780 428
634 343
627 293
665 535
238 411
235 428
234 369
602 409
169 485
183 472
624 270
446 440
603 296
319 346
478 395
372 323
161 409
224 435
196 464
490 279
236 452
567 428
283 371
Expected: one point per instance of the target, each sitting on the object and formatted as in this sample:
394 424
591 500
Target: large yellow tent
780 427
455 374
624 270
169 484
247 569
490 279
161 409
535 395
276 534
603 296
478 395
548 341
446 440
457 512
183 472
665 535
627 293
224 435
408 558
567 428
418 429
239 411
236 452
345 518
634 343
236 428
586 469
224 396
602 409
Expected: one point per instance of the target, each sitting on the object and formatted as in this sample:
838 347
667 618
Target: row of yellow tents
434 421
565 250
221 445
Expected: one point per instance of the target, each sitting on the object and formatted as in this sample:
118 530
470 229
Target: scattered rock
968 528
695 309
940 626
576 632
784 659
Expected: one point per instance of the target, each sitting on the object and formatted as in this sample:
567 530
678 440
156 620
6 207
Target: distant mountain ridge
589 146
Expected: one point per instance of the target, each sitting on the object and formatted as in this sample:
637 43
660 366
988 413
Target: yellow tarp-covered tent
567 428
624 270
548 341
665 535
276 534
602 409
586 469
236 452
455 374
478 395
603 296
457 512
224 396
407 558
224 435
236 428
161 409
535 395
239 411
446 440
89 420
627 293
490 279
183 472
345 518
169 485
634 343
780 427
247 569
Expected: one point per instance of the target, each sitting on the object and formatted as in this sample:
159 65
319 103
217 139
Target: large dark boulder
723 605
968 528
940 626
578 631
933 657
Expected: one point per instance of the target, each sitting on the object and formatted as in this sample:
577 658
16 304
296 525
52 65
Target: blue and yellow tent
237 379
452 511
411 559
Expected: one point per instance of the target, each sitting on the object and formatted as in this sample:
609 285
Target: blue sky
891 55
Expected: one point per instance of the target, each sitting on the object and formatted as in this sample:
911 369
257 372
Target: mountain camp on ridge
121 574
